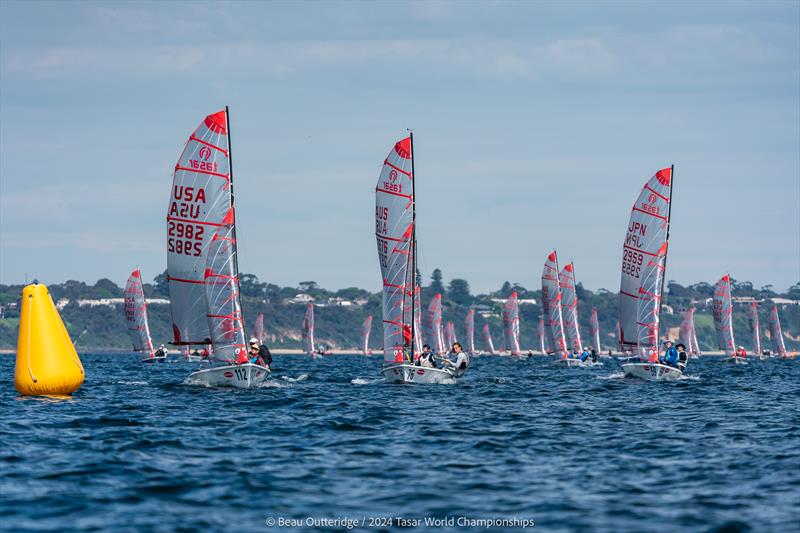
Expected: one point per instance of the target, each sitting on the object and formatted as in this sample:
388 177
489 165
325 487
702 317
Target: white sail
433 325
469 327
776 333
224 316
723 315
366 327
136 314
200 200
307 330
569 306
394 232
687 329
551 306
649 303
755 328
594 331
487 338
643 253
451 334
511 324
542 337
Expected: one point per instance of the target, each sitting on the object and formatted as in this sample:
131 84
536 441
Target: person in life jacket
254 355
407 352
426 358
462 361
575 354
585 354
741 352
670 354
683 358
161 352
594 355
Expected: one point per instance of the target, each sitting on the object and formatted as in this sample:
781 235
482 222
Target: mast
230 173
669 219
413 245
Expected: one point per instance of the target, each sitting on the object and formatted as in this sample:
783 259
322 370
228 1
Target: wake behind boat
203 270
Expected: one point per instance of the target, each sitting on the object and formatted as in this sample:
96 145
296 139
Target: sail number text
632 263
185 239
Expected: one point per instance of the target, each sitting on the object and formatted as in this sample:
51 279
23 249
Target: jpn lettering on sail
487 338
646 233
258 331
511 324
224 316
366 328
723 315
687 329
307 330
594 331
649 304
394 235
776 333
755 328
433 324
569 306
200 199
551 306
136 314
469 327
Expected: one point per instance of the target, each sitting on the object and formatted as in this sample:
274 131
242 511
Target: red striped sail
551 306
723 315
487 338
755 328
433 325
776 334
469 327
258 332
136 314
569 306
511 324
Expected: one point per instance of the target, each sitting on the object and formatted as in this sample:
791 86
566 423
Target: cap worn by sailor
667 342
254 341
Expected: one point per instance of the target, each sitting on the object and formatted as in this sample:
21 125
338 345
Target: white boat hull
651 371
240 376
575 362
405 373
154 359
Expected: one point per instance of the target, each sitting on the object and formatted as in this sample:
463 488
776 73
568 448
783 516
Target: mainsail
551 306
200 202
687 329
450 334
511 324
224 316
469 327
258 333
433 324
569 305
394 232
755 328
136 314
644 255
307 330
487 338
417 320
594 331
366 327
775 333
723 315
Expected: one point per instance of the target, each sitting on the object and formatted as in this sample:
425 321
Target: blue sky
535 124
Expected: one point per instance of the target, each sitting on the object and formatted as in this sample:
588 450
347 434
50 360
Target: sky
535 126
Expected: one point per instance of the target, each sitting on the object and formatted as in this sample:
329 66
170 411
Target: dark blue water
571 449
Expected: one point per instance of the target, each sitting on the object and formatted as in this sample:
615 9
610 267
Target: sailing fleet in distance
206 310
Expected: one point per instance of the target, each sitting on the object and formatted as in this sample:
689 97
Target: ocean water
568 449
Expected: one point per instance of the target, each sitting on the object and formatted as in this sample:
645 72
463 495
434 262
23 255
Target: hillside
102 327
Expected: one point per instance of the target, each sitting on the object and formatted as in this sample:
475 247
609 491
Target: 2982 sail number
186 239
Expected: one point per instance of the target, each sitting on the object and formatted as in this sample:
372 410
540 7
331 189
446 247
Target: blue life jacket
671 356
584 356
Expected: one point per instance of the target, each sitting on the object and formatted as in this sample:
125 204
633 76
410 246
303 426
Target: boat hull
154 359
405 373
240 376
651 371
736 360
575 362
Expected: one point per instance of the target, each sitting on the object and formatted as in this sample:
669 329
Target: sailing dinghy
202 266
395 231
136 317
552 311
644 260
755 331
511 325
775 332
723 320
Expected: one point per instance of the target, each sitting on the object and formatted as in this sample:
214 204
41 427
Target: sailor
741 352
265 355
594 355
585 354
575 354
670 354
462 361
254 354
161 352
426 358
683 358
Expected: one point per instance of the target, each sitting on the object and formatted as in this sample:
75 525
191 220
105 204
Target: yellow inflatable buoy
47 363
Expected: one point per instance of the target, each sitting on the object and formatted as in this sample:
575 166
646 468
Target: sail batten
136 314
